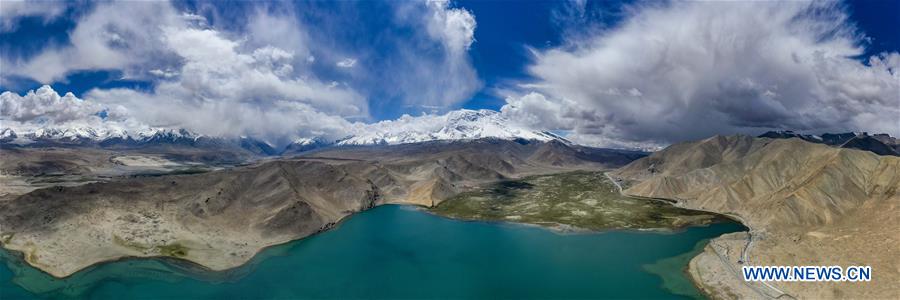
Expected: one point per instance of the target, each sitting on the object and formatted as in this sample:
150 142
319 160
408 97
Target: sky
603 73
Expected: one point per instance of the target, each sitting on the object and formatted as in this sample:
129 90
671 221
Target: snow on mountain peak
461 124
95 134
306 141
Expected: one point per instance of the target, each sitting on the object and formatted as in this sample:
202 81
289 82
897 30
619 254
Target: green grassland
581 199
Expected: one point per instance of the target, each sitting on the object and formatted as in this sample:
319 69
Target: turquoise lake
403 252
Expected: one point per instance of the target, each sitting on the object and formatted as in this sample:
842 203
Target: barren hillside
807 204
220 219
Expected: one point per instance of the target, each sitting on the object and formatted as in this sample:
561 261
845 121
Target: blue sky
404 58
499 55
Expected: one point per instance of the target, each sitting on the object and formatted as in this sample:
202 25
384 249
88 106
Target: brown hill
220 219
807 204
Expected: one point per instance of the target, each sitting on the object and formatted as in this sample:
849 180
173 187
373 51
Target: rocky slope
806 204
220 219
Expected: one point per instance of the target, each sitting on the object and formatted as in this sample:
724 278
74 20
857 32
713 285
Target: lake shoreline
208 270
555 226
262 263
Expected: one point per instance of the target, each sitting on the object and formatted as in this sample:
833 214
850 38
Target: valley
24 169
221 219
441 149
804 203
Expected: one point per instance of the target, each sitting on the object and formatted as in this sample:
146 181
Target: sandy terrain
144 161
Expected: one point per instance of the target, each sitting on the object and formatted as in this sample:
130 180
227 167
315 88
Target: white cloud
259 78
688 70
13 10
117 35
535 110
45 106
450 31
163 73
279 31
44 111
346 63
225 92
207 81
454 27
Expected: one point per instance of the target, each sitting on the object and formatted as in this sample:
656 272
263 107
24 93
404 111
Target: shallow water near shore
403 252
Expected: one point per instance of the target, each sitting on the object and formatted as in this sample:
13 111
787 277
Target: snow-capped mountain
306 144
119 138
7 135
455 125
461 124
88 135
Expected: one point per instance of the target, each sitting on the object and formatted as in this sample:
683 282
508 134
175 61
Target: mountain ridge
880 143
455 125
806 204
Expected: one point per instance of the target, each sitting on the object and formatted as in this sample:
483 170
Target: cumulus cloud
535 110
45 106
44 109
223 91
261 75
688 70
206 80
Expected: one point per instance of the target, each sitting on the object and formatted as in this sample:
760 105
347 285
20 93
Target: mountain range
881 144
807 200
456 125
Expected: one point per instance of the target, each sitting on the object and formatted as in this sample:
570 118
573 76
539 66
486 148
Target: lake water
403 252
